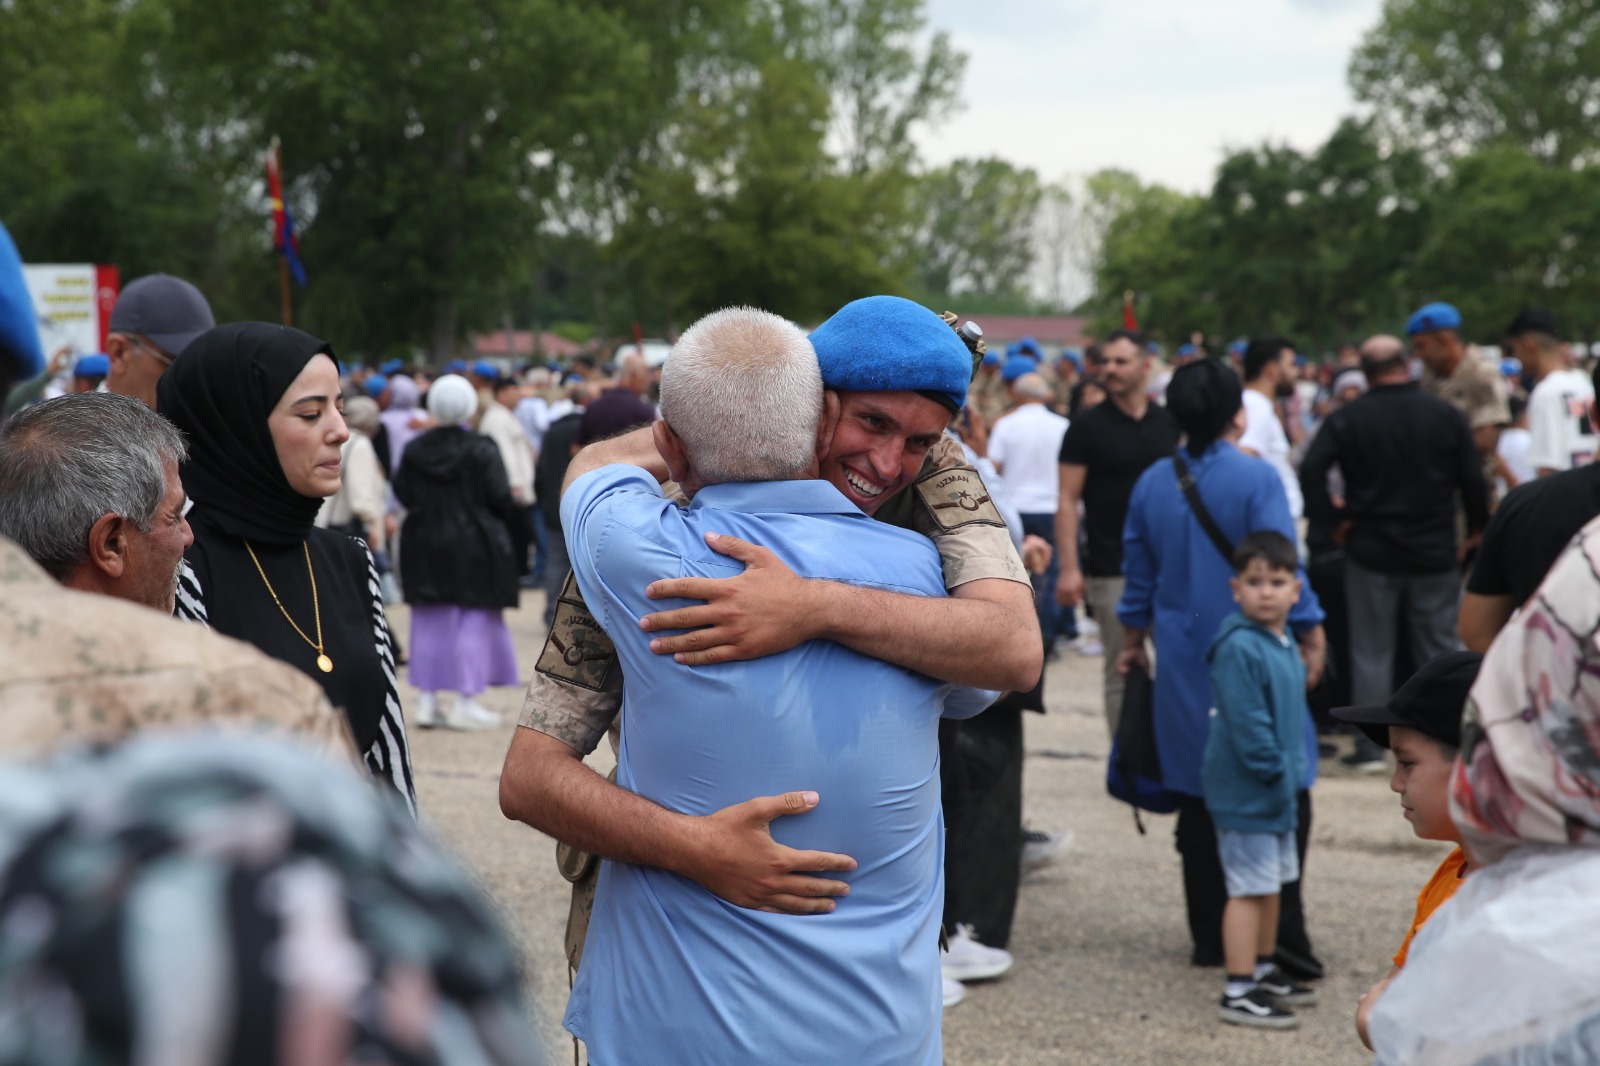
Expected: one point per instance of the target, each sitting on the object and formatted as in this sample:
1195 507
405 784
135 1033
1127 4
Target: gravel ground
1101 974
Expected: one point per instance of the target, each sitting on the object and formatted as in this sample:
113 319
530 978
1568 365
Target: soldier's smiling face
879 444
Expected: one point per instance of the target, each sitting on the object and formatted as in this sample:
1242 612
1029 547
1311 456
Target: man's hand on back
738 860
763 611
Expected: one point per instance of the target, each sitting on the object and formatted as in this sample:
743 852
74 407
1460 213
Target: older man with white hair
742 405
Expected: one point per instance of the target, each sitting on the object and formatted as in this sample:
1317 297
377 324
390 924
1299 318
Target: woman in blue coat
1177 593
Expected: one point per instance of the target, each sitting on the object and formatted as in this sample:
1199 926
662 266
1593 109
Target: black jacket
554 458
455 545
1405 456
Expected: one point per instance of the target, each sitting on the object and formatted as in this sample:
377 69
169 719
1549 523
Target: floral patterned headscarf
1529 770
214 899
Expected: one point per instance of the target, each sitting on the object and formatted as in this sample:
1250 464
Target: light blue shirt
672 974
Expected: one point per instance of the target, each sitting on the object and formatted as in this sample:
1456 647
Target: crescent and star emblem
964 500
575 656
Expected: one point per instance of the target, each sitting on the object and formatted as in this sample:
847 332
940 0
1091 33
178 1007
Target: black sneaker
1256 1008
1281 987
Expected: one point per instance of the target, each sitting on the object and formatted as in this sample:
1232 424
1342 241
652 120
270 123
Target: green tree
1451 75
414 135
974 228
1506 232
1150 248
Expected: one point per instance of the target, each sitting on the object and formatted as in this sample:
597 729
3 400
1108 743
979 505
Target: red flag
1128 321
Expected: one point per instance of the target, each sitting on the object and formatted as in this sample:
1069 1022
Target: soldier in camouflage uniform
984 635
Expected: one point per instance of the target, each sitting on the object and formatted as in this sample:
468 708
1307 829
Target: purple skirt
460 649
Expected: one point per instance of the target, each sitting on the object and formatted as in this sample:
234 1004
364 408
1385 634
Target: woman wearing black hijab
260 406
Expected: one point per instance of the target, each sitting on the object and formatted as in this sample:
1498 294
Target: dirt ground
1101 974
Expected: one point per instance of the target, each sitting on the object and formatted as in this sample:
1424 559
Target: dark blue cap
1434 317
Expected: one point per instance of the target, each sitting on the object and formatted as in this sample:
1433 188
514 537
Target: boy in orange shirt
1421 724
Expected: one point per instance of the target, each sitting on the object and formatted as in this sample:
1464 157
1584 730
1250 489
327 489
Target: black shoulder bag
1192 494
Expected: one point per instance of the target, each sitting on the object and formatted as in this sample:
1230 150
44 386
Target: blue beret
456 366
1435 316
991 358
1237 347
392 366
889 344
485 369
376 384
1511 368
1017 366
1028 346
91 366
19 325
1185 349
1074 358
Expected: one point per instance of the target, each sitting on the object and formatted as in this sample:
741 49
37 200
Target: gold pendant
325 664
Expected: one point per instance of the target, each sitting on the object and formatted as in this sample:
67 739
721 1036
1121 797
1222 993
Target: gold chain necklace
324 663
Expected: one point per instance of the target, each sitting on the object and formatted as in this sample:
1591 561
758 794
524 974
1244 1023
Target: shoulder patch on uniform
955 496
577 650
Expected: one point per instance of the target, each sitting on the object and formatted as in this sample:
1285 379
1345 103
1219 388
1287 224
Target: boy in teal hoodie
1254 764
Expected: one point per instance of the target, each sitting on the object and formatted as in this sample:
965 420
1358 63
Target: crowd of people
808 584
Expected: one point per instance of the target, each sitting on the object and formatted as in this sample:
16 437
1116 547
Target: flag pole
285 299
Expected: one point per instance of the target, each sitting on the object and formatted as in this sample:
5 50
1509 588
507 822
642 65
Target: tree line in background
462 166
1474 180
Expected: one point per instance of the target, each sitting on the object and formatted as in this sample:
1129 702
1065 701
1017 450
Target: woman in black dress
260 406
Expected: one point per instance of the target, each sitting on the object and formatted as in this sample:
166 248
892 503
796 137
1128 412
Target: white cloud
1159 87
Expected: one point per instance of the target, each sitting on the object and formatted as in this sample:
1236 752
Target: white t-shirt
1513 449
1026 445
1264 435
1558 420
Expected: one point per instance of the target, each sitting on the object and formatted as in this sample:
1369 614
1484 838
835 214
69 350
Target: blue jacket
1255 758
1177 586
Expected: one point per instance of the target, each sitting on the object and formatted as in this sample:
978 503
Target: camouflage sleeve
950 505
576 691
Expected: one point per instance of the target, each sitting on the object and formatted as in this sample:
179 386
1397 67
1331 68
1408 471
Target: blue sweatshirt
1255 758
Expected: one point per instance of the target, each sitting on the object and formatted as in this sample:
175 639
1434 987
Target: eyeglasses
150 349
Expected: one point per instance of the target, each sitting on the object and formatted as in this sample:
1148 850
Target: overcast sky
1158 87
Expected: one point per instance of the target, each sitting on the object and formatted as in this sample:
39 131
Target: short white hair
743 391
1031 387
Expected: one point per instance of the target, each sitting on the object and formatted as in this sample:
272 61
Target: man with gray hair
742 405
89 488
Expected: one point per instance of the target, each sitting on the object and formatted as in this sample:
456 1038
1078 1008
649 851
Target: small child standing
1254 765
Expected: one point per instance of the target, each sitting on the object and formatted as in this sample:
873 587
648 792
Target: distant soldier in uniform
1456 373
987 395
984 635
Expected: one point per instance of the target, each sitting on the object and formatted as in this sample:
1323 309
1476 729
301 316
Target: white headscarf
452 400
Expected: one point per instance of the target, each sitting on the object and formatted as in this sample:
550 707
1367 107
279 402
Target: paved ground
1101 973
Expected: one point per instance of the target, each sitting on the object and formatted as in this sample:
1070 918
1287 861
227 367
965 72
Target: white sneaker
1088 646
1088 627
967 960
1042 849
470 716
427 716
953 993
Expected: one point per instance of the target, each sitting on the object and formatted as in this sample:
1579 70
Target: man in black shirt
1529 530
1405 456
1105 450
560 444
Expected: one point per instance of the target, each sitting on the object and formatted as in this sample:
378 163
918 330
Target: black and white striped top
220 587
